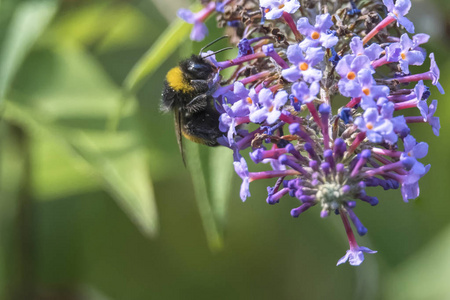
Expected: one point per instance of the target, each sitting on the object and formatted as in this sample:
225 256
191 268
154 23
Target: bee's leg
197 104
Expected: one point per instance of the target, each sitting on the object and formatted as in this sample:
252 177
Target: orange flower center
369 126
351 75
249 100
315 35
303 66
366 91
295 100
403 55
266 10
280 6
271 108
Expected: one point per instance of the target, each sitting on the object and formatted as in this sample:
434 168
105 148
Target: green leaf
70 106
106 26
125 175
220 183
29 21
166 44
127 179
425 274
209 220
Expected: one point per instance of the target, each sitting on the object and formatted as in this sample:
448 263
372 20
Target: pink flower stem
348 230
361 162
262 85
314 113
380 62
288 19
277 58
388 20
386 152
233 62
255 77
247 140
242 120
402 97
383 169
290 119
206 11
326 136
413 119
386 161
222 90
274 153
271 174
359 138
406 104
415 77
353 102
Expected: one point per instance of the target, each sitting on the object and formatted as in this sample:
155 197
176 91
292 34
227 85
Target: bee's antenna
218 51
213 42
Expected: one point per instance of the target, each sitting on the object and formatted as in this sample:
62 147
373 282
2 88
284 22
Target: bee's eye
200 71
199 68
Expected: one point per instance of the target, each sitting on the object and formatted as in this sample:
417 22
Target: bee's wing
177 118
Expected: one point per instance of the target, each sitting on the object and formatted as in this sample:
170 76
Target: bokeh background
95 202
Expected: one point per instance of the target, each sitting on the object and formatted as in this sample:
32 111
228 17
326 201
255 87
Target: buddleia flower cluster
296 61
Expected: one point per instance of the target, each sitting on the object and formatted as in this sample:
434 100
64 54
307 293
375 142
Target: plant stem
25 287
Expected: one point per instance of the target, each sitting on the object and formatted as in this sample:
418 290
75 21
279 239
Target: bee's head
196 68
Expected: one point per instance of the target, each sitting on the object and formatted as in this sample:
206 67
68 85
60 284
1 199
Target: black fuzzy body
189 97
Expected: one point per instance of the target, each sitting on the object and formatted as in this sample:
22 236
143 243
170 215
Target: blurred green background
95 202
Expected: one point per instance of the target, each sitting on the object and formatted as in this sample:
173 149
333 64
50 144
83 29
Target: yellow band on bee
194 138
177 82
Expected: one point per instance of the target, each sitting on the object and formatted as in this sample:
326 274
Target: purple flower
273 9
335 58
372 52
377 129
227 123
354 10
199 31
303 66
413 149
431 119
328 153
269 50
248 100
355 256
317 35
398 11
369 91
243 102
303 93
410 182
240 167
399 123
419 91
348 68
402 53
434 70
270 107
418 39
244 47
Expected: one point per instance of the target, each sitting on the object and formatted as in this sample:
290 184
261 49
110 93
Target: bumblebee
188 90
